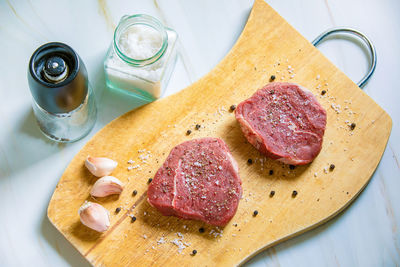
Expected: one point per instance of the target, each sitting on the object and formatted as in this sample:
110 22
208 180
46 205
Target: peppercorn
201 230
194 252
198 126
117 210
133 219
232 108
255 213
323 92
292 167
250 161
150 179
352 126
271 172
272 77
294 193
272 193
134 192
331 167
188 132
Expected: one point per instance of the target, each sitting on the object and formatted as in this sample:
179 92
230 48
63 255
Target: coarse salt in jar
141 57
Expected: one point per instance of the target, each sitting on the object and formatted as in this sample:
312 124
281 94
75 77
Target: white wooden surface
366 234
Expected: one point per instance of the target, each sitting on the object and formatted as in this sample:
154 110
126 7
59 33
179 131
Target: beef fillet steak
283 121
199 180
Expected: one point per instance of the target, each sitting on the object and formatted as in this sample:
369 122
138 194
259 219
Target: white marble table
366 234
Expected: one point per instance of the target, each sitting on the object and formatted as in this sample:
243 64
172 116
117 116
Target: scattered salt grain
161 240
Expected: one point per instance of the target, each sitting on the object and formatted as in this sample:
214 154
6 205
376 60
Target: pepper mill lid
57 78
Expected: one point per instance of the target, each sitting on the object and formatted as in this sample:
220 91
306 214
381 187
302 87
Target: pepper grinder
63 102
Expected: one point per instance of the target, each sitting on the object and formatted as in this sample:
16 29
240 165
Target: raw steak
199 180
283 121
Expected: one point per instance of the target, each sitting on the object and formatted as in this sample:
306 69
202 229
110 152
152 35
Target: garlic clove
94 216
100 166
107 185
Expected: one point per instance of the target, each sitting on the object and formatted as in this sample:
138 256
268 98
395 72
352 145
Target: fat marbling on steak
283 121
199 180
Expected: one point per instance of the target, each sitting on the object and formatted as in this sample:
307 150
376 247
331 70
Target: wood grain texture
266 40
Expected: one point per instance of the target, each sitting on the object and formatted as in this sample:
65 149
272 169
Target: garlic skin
107 185
94 216
100 166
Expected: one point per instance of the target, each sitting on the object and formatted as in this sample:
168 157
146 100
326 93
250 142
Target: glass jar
141 57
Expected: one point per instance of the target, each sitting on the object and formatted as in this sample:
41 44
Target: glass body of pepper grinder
63 102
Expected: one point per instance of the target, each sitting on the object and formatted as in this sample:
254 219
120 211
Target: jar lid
57 78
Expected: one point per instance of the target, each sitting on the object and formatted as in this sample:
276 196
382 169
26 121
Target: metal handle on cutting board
360 35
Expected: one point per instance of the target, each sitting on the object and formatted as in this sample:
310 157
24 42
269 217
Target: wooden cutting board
268 45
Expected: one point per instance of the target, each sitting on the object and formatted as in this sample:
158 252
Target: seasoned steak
199 180
283 121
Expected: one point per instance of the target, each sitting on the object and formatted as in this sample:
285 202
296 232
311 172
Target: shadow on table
61 245
25 145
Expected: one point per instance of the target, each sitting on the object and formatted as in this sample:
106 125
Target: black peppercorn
201 230
232 108
250 161
294 193
188 132
133 219
194 252
272 193
150 179
331 167
134 193
198 126
271 172
117 210
272 77
292 167
255 213
323 92
352 126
